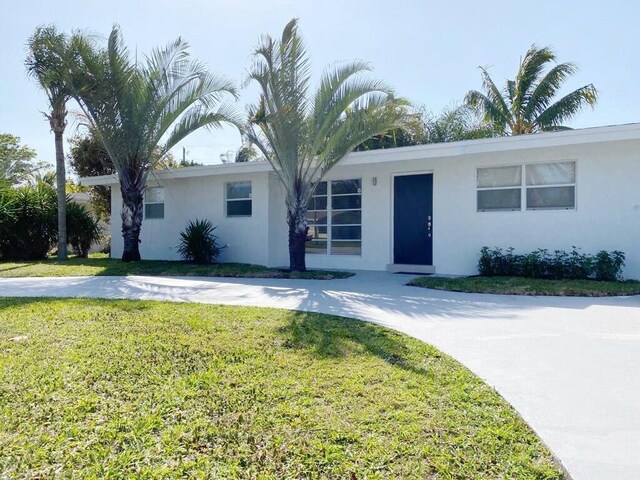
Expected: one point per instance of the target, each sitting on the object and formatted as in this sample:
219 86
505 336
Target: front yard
529 286
124 389
102 265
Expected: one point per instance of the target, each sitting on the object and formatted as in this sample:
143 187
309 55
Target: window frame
523 187
145 202
241 199
330 211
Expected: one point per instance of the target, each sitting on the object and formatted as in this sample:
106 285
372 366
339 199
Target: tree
456 123
16 161
50 52
411 133
132 107
526 104
87 158
303 134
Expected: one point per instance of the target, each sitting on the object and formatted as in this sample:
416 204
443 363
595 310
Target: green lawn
529 286
102 265
135 389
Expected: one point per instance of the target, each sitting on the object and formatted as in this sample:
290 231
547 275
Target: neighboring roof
581 136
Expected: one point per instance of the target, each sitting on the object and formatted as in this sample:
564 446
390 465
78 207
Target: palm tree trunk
132 207
298 232
61 180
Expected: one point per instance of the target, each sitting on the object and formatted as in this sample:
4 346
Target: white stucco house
427 208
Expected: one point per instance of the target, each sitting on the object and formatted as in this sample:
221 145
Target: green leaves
134 106
525 105
304 135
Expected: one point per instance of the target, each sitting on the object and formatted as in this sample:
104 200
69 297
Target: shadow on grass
335 337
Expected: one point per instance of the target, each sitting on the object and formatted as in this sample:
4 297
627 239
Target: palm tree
455 123
302 134
526 104
50 51
139 112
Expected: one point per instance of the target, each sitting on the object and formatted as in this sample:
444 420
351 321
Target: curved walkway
570 366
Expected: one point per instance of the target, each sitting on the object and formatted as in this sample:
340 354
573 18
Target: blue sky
428 51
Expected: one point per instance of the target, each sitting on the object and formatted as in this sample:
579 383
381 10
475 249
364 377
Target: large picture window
238 198
335 218
538 186
153 203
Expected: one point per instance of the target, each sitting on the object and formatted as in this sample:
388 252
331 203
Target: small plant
198 243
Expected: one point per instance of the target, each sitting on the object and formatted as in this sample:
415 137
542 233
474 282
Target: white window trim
243 199
523 188
145 203
329 225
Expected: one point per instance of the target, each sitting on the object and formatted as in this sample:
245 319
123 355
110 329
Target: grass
136 389
100 264
529 286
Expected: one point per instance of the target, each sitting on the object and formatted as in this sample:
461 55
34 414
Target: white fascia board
187 172
498 144
583 136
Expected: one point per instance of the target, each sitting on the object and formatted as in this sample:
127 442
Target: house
427 208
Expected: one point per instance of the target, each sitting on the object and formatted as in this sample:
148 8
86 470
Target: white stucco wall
203 198
607 214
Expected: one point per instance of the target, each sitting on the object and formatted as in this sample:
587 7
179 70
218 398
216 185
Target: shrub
29 223
607 265
561 265
32 229
83 229
198 243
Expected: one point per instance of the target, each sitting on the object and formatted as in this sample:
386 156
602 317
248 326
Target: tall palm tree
50 51
526 104
139 112
304 134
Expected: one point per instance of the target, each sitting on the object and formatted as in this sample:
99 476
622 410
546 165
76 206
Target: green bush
31 227
82 229
198 243
29 223
559 265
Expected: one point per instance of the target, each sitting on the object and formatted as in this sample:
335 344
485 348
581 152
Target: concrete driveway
570 366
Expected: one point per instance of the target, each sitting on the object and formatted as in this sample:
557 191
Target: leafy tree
303 134
526 104
132 106
455 123
87 158
50 53
17 162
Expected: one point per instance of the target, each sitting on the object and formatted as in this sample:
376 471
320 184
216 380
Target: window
335 218
154 202
238 199
551 185
543 186
499 188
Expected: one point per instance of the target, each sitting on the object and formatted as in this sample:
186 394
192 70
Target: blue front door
413 219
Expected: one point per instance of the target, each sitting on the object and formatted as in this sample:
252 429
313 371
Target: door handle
429 224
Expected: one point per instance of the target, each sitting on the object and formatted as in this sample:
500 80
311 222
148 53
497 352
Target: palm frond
531 67
567 107
492 104
547 88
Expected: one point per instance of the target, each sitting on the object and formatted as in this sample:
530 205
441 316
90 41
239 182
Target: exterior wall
203 198
607 214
